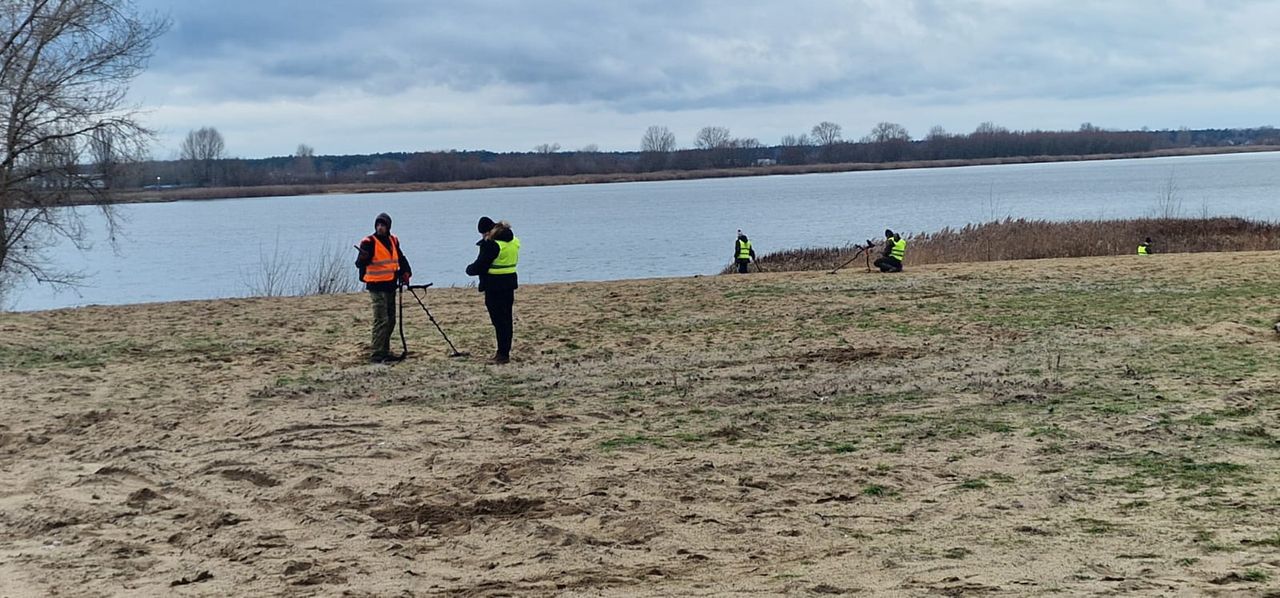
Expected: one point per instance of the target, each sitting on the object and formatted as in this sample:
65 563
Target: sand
1089 426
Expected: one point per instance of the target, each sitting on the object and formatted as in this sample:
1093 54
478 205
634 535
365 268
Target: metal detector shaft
860 251
414 292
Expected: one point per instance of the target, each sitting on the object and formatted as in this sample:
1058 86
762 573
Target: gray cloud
658 58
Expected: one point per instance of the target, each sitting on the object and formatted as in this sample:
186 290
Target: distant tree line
203 161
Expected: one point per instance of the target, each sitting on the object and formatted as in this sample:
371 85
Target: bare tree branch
65 68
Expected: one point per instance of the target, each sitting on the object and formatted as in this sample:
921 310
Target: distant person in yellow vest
496 267
1145 248
383 268
895 249
743 254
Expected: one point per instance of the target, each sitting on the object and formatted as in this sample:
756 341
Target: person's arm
488 252
753 252
366 254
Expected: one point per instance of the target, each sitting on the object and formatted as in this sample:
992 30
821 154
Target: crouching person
496 268
383 268
895 249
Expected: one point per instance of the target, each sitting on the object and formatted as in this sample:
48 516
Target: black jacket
366 256
488 252
737 246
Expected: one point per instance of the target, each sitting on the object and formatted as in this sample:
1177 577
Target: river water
212 249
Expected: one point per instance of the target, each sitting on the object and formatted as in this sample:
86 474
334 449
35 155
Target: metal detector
862 251
404 346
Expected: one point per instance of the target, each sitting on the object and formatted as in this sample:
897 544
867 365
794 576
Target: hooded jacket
489 249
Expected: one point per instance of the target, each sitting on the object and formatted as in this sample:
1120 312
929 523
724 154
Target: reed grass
1022 239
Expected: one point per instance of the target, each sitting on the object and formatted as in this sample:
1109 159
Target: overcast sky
365 76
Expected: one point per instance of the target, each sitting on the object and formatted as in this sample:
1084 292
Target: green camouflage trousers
384 321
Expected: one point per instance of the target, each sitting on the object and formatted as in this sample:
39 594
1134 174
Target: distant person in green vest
1145 248
895 249
743 254
496 267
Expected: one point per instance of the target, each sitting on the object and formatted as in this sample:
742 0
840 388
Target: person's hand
404 278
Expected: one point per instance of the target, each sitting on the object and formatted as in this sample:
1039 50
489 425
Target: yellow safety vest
899 250
508 256
1142 250
744 250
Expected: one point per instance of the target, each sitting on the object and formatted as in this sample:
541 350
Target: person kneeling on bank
496 267
895 249
383 268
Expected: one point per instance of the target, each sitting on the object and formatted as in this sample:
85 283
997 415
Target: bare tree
885 132
65 67
304 161
658 139
937 132
106 159
1168 202
202 149
328 272
547 148
826 133
796 141
713 138
655 146
989 128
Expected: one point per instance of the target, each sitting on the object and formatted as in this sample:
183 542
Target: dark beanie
383 217
888 233
484 225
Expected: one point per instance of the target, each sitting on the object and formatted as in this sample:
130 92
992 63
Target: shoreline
217 193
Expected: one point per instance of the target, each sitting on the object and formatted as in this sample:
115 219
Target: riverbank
206 193
1083 426
1022 239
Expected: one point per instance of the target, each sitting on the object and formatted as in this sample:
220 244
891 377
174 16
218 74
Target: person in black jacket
496 267
383 268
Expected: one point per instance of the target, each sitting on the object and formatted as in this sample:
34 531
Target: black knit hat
383 217
888 233
484 225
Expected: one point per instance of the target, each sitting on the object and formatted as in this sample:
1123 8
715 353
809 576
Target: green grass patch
1255 575
877 490
1098 527
1183 472
974 484
623 442
59 353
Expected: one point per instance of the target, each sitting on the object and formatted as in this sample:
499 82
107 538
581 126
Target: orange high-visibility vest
385 262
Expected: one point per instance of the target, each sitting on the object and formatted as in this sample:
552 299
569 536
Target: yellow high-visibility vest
1142 249
899 250
508 256
744 250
